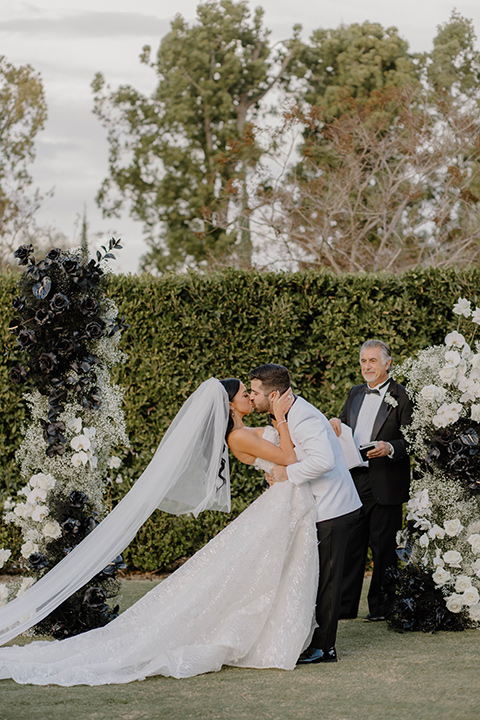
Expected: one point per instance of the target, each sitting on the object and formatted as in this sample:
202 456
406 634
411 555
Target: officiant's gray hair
384 350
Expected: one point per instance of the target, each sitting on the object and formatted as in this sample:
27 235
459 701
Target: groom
322 465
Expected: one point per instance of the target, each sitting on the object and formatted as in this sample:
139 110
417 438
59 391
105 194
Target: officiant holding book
375 411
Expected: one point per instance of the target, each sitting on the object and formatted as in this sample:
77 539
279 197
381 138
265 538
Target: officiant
375 411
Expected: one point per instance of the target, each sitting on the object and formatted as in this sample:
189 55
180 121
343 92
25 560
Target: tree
375 194
23 112
180 156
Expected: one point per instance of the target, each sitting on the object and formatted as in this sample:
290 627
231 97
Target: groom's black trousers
332 542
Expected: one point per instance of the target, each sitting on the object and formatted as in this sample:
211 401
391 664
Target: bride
245 599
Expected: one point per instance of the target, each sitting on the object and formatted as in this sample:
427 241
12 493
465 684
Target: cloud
89 25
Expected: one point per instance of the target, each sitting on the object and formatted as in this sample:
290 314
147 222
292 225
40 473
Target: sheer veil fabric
188 473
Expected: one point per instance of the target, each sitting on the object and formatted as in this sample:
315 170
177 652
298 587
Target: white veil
188 473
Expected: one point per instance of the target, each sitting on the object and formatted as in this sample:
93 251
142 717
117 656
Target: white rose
79 458
455 339
448 374
474 541
75 425
436 532
476 568
452 357
43 481
474 612
453 527
80 442
476 316
471 596
52 529
40 512
462 583
4 555
475 413
25 584
28 549
462 307
114 462
21 510
3 594
432 393
441 576
454 603
453 558
36 495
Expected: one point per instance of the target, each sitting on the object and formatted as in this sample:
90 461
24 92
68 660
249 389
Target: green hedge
186 328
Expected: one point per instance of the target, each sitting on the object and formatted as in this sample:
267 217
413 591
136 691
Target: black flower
113 567
18 303
92 400
95 597
64 347
18 374
77 499
89 306
26 339
94 330
37 561
46 362
70 265
71 526
42 288
53 254
42 316
22 253
59 303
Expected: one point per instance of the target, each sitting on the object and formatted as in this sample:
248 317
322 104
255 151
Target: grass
382 675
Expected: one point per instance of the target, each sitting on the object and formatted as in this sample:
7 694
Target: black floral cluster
457 452
88 607
419 605
58 314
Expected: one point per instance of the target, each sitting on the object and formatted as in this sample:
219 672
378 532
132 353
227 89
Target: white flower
80 442
43 481
75 425
475 413
3 594
441 576
448 374
25 584
8 504
119 479
52 529
79 458
37 494
40 512
28 549
453 527
438 560
447 414
454 603
90 432
4 555
475 361
455 339
476 567
453 558
452 357
462 307
433 393
424 541
476 316
114 462
474 541
462 583
471 596
21 510
390 400
474 612
436 532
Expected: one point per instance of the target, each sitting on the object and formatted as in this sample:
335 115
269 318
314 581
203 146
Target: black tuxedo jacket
389 477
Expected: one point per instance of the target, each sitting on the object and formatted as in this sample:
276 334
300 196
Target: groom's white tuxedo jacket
320 462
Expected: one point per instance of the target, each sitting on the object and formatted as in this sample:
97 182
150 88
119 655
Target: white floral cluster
445 384
86 465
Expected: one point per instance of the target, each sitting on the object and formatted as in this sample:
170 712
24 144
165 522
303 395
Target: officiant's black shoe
373 618
315 655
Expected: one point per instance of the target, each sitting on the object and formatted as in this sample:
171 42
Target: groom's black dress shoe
373 618
315 655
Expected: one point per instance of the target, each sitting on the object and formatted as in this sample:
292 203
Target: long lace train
246 599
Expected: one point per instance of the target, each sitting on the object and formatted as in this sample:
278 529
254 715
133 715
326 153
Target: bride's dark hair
232 386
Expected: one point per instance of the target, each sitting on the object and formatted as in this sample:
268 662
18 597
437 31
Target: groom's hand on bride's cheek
279 473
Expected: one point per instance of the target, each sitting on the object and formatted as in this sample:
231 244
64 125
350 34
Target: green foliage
187 328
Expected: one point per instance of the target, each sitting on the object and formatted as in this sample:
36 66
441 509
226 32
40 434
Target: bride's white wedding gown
245 599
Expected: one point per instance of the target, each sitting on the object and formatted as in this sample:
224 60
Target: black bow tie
371 391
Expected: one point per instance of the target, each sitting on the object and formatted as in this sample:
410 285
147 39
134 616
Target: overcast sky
68 41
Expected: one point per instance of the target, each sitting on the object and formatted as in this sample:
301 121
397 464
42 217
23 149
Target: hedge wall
186 328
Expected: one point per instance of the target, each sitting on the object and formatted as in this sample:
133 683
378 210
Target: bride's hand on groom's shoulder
282 404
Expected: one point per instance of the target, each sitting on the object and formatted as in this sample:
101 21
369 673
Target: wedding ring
290 397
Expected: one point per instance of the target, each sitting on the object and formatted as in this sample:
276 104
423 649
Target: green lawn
382 675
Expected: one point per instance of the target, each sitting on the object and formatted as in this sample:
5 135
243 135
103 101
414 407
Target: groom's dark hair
273 377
